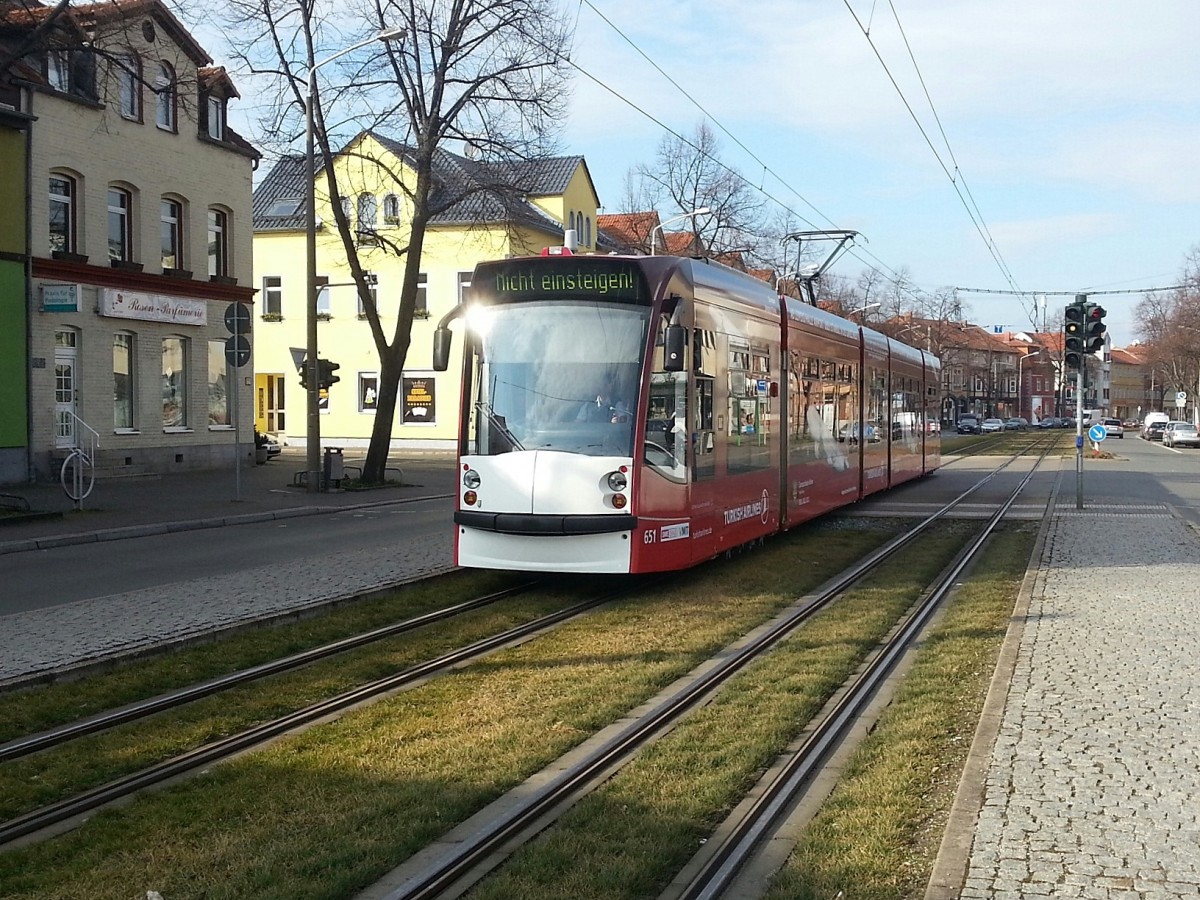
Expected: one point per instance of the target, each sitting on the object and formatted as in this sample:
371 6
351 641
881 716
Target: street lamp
659 227
1020 384
863 309
313 436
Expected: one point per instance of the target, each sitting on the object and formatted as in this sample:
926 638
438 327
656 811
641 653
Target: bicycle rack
78 473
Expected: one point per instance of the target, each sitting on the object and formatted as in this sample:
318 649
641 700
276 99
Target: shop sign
152 307
419 400
60 298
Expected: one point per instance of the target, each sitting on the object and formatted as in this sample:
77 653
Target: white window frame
126 340
218 242
171 227
165 102
125 216
67 201
129 87
272 292
180 379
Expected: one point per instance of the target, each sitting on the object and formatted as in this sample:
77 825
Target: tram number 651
649 537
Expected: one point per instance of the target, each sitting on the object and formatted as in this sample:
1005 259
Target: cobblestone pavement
1090 788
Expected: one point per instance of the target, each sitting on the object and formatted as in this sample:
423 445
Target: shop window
174 383
124 381
220 380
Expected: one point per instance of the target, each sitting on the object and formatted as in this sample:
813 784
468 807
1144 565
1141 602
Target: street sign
1180 399
237 351
237 318
1097 433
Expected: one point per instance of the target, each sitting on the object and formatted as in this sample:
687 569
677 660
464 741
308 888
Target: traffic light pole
1081 388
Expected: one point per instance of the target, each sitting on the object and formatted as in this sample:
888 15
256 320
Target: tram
640 414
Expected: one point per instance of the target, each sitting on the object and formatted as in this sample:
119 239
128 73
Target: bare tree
687 174
1169 324
487 73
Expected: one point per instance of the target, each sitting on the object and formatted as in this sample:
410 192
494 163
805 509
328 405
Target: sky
1070 129
1030 146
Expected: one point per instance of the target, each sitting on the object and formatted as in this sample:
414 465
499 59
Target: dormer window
214 125
72 72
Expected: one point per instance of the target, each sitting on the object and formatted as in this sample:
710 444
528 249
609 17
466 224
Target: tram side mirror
442 339
676 343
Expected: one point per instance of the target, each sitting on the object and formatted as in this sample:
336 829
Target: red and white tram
640 414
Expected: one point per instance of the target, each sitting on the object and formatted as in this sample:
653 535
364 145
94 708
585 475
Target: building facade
140 241
556 195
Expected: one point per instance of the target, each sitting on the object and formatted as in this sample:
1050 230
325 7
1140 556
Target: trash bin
334 465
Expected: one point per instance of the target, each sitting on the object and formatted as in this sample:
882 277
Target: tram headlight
619 501
470 498
617 481
471 479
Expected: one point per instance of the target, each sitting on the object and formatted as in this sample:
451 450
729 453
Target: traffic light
304 375
325 376
1074 326
1094 328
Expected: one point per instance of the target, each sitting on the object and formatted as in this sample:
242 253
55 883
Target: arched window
571 221
129 86
62 213
391 209
120 224
587 230
171 219
367 217
164 87
218 242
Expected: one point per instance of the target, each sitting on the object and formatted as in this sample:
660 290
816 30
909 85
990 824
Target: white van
1158 419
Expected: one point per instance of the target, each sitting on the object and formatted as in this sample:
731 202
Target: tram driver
607 407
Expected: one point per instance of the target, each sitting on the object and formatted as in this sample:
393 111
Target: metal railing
78 473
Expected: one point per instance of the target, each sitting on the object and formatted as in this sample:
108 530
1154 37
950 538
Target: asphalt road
48 578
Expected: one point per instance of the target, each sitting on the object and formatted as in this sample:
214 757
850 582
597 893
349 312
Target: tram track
184 766
477 850
68 808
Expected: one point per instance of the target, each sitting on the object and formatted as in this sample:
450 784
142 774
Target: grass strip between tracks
630 838
326 812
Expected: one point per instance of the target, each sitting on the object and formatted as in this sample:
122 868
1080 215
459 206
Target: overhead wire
976 219
765 167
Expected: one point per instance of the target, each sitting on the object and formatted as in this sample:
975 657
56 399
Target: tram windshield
556 376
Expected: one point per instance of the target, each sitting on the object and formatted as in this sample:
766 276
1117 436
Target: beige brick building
140 238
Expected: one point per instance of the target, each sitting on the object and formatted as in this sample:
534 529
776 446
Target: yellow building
482 211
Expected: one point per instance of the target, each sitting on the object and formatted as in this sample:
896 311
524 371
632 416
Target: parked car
1153 431
991 426
1181 434
850 432
968 425
933 426
1113 427
1049 422
1016 423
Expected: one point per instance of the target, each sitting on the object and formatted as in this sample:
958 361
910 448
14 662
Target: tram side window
666 425
875 402
747 444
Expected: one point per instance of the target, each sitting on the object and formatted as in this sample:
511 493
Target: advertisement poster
419 401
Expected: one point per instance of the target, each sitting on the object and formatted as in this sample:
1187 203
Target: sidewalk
153 504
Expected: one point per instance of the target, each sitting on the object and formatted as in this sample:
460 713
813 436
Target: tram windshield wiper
499 424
